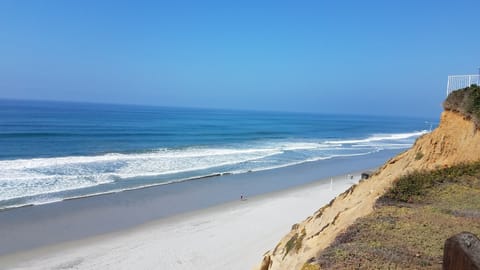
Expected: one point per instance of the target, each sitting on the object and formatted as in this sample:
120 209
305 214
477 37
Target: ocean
52 151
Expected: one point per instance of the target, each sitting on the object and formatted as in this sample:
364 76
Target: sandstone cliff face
456 140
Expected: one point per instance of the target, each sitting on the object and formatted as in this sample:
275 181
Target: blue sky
366 57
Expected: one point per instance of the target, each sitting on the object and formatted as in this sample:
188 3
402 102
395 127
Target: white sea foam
24 178
29 177
379 137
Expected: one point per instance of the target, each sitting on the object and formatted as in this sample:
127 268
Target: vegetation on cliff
411 222
407 227
465 101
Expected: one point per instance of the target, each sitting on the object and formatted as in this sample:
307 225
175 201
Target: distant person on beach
243 198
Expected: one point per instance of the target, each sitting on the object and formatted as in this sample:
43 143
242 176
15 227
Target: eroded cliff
454 141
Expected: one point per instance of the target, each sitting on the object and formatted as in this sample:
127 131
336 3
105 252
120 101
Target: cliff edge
456 140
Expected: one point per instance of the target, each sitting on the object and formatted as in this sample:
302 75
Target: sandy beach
222 136
229 236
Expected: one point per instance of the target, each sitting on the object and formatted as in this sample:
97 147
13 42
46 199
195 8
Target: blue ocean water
51 151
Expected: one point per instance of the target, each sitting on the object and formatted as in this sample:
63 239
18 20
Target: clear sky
367 57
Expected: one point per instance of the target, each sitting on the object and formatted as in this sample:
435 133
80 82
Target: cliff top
465 101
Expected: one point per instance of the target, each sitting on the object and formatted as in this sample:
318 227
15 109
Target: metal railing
456 82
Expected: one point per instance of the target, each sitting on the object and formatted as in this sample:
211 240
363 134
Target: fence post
448 85
462 251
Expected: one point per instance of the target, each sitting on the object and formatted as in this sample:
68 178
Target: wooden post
462 251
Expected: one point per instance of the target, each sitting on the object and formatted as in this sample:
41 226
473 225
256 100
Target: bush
414 185
465 101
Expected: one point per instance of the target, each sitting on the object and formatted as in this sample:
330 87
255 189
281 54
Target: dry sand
230 236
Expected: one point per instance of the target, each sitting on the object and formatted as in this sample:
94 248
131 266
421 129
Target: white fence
456 82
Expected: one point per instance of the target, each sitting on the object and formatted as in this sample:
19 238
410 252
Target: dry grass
410 235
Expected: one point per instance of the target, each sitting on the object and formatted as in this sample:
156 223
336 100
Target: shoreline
40 225
191 179
45 231
172 182
211 237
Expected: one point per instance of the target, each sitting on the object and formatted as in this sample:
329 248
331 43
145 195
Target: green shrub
290 244
295 242
414 185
